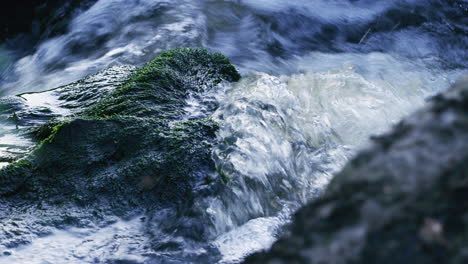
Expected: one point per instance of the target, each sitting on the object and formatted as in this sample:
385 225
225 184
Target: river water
319 78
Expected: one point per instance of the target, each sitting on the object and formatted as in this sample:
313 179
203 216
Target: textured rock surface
403 200
130 150
30 112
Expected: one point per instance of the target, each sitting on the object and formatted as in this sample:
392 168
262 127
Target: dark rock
126 151
138 134
38 113
403 200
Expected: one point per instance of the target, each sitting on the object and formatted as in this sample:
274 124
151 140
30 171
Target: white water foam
283 137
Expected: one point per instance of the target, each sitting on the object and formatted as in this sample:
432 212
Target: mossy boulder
124 159
403 200
160 88
28 118
133 149
134 141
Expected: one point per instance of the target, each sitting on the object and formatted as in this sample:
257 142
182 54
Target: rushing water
320 77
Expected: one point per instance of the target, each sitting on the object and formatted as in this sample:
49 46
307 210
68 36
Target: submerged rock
403 200
121 152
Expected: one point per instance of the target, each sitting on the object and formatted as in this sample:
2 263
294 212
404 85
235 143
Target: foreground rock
120 151
404 200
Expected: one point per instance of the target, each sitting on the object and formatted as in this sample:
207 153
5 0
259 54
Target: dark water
334 71
256 35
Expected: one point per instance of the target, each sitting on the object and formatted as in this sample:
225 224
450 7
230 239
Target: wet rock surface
120 152
403 200
37 113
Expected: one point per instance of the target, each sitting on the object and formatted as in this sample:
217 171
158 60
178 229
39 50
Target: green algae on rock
160 87
126 150
141 122
37 113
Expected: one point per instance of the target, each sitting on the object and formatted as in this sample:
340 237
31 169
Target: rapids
319 78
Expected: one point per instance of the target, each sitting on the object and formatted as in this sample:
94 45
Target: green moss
13 174
132 144
159 87
106 117
18 165
53 132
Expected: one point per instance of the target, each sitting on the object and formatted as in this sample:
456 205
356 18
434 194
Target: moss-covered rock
28 118
126 158
133 142
159 89
132 149
403 200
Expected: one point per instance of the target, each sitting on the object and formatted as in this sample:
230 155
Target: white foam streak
122 241
283 137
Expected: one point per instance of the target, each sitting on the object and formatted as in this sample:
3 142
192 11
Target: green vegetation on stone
159 87
134 146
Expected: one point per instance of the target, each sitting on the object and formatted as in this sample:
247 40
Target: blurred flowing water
320 77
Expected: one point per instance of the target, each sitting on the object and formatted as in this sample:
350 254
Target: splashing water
257 35
320 77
